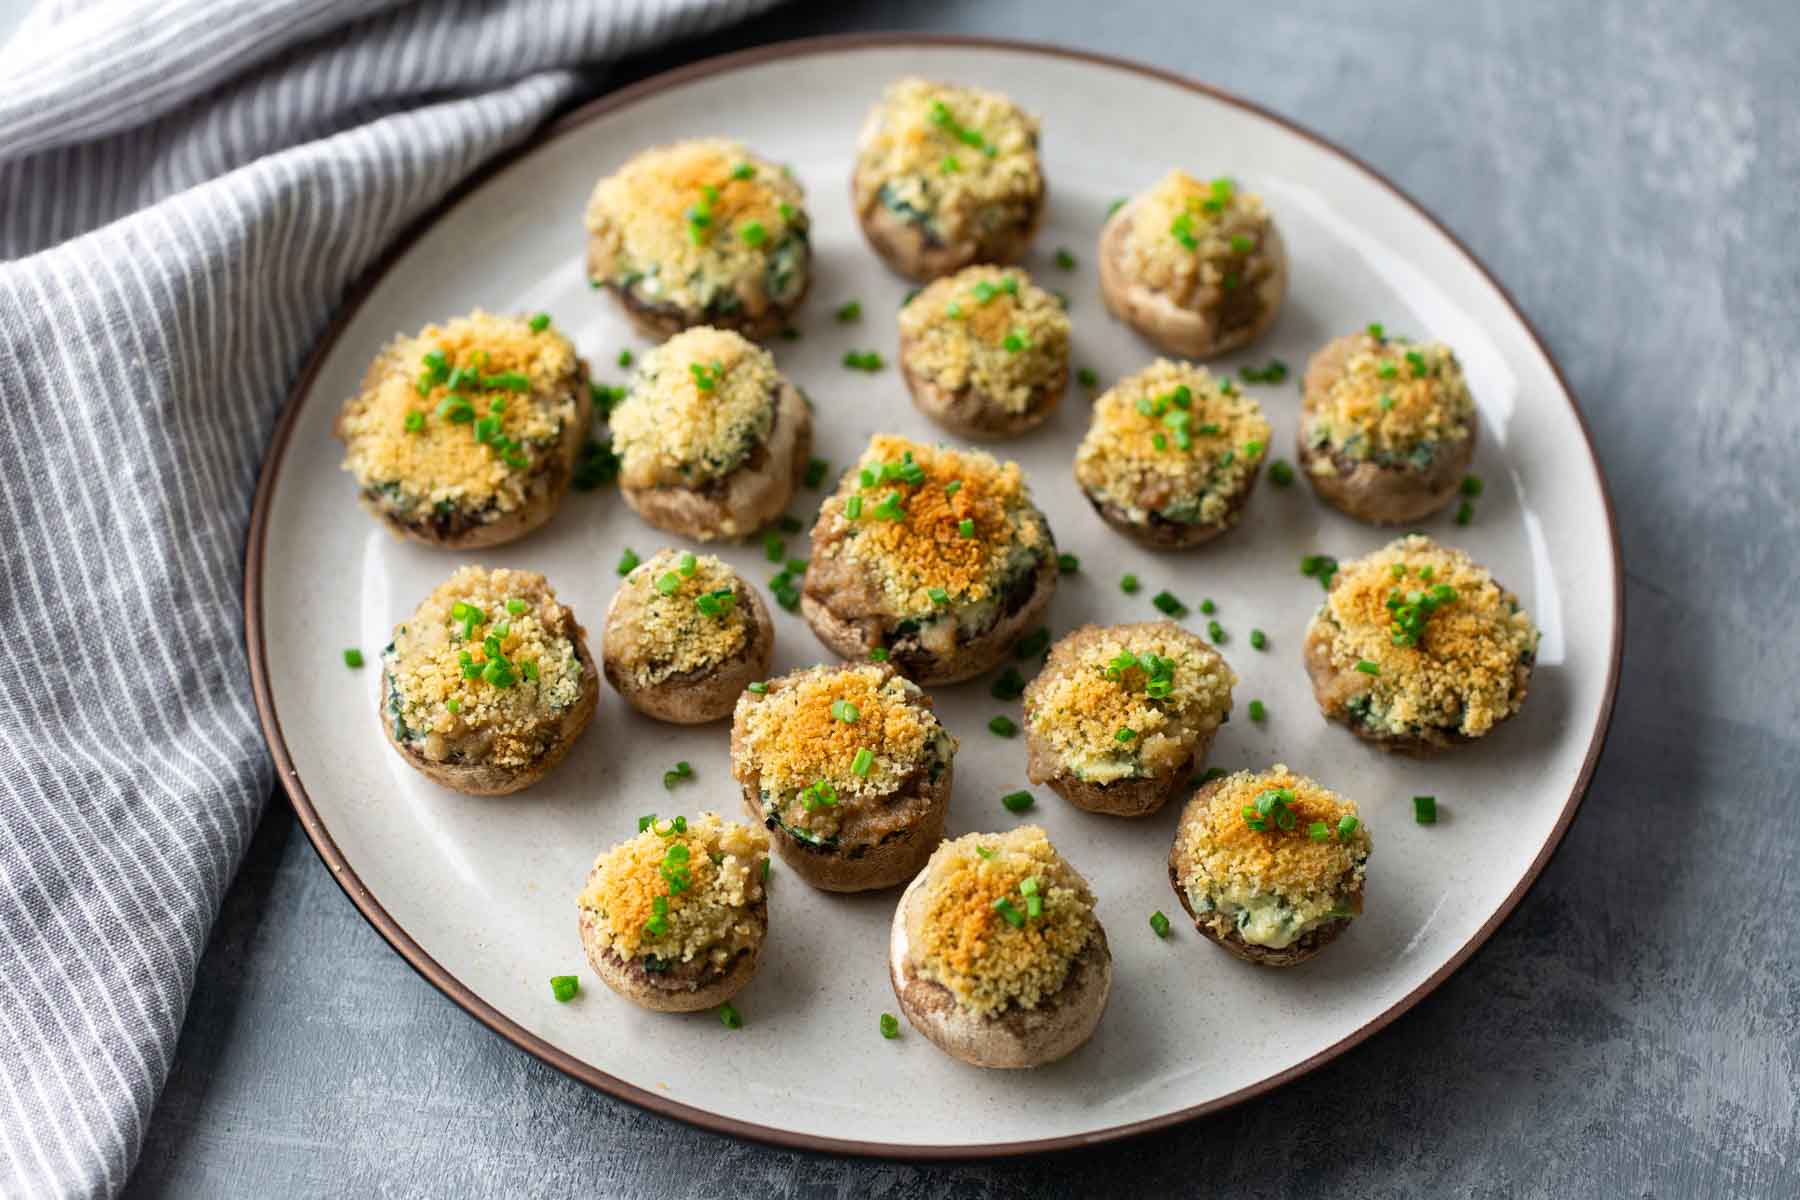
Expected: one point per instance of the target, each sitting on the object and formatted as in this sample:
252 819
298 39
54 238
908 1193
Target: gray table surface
1631 171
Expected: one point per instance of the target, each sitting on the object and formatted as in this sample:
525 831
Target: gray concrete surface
1631 171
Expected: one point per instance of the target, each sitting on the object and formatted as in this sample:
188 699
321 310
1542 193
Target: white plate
480 894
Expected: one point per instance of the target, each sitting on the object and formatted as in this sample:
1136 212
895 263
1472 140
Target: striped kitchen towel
187 190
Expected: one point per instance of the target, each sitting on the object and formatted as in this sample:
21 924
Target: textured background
1631 171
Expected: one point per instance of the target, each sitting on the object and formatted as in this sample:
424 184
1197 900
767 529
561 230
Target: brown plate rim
480 1009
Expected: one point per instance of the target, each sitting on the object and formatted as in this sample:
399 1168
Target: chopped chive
1346 826
415 421
628 561
1016 801
1471 485
1319 831
774 547
1013 916
1367 667
1125 733
1257 710
668 583
1068 564
1064 259
1033 643
1167 603
453 705
540 322
1159 924
1216 632
753 233
845 711
848 312
729 1016
966 527
353 658
816 470
625 357
1207 606
938 596
1377 332
890 1026
878 654
1258 640
861 762
1086 377
1425 810
953 487
1010 685
564 987
1128 584
1116 205
853 507
759 688
1002 727
743 171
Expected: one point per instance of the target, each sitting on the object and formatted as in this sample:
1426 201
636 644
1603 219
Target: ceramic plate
480 894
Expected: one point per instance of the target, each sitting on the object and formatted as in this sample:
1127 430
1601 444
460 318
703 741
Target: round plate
479 895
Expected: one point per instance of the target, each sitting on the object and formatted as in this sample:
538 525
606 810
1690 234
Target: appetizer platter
930 591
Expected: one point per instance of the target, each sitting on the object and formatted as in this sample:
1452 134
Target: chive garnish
564 987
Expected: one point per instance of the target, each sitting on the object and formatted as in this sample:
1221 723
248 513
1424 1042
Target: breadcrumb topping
1273 884
698 224
797 735
1463 672
672 631
957 938
440 461
1189 236
699 404
960 160
908 535
710 918
1133 455
1393 402
989 329
448 711
1100 682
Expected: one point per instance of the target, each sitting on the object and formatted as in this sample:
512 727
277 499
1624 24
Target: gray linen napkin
187 189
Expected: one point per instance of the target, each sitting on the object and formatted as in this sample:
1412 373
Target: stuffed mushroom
850 771
934 557
947 176
1197 268
684 636
985 352
1387 426
1270 865
674 919
1171 455
711 439
1122 716
466 434
1416 648
489 682
996 954
701 233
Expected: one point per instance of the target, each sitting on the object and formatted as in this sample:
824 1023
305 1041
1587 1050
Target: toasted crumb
670 634
1393 403
507 726
911 160
924 548
958 939
441 462
643 216
670 430
1462 673
1225 225
1119 462
709 918
1085 698
957 333
1272 885
792 739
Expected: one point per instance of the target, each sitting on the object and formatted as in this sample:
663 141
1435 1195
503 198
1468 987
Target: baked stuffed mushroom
700 233
946 176
1387 426
674 919
936 556
849 770
489 682
1417 648
1171 454
1270 865
465 435
684 636
985 352
1197 268
711 439
996 954
1122 716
